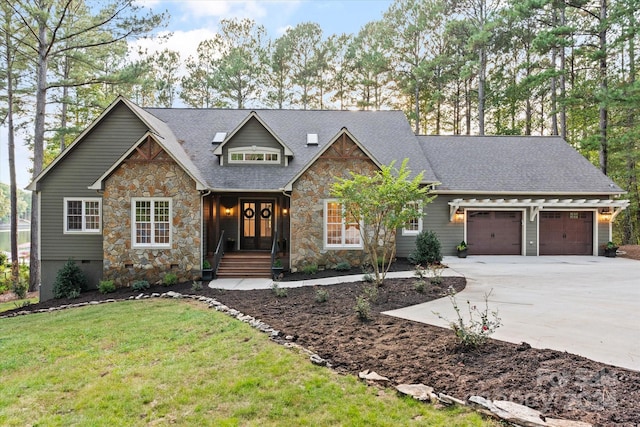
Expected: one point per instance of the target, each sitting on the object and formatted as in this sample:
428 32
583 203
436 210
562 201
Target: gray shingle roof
385 134
510 164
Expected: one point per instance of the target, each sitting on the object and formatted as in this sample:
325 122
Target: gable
149 152
343 148
252 136
94 150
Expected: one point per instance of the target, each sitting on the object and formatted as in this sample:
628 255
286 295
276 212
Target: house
145 191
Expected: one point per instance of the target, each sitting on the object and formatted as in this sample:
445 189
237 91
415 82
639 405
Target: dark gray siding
531 234
85 163
253 133
436 219
603 234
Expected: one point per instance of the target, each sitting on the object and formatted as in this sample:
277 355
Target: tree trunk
632 215
13 196
38 152
417 97
528 114
563 83
603 110
468 106
65 100
554 100
482 77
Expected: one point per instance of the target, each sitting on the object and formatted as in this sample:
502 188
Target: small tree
383 202
428 248
70 281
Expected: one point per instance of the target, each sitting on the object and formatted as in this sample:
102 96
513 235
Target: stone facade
150 172
307 205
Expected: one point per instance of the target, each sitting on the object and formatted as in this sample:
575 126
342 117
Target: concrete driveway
588 306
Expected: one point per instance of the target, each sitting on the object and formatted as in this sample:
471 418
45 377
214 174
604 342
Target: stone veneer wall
160 177
307 216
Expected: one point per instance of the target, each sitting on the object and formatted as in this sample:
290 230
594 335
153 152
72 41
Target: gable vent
219 137
312 139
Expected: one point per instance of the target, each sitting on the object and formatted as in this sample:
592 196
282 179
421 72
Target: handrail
274 247
217 256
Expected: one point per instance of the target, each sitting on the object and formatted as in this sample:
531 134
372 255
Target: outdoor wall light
605 214
227 211
459 215
285 211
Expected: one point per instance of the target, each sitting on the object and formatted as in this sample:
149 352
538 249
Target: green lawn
160 362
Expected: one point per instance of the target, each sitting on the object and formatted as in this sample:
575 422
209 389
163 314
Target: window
151 222
259 155
338 231
414 226
82 215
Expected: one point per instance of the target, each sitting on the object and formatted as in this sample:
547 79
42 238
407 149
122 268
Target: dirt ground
558 384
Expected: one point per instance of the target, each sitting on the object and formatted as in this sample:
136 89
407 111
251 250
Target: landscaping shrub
436 273
310 269
343 266
474 331
322 295
371 293
70 281
20 289
3 259
363 308
170 279
140 285
106 286
280 292
368 277
196 286
420 284
428 249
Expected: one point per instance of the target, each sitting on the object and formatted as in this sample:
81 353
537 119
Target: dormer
252 142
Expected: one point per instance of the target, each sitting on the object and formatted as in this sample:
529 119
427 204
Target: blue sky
195 20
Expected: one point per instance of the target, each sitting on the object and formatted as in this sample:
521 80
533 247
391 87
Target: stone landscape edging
511 412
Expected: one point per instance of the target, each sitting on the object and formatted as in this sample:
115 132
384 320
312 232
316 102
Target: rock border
510 412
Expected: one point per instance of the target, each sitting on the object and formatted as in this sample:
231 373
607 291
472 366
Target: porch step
245 264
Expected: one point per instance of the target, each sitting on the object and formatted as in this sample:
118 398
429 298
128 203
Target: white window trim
84 230
254 150
134 200
325 230
406 232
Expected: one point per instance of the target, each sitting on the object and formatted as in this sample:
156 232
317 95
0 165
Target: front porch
245 232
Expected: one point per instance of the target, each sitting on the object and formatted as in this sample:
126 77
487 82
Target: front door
257 225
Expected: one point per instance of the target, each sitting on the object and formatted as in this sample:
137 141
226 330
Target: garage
566 233
494 232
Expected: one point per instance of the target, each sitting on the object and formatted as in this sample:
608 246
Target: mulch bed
558 384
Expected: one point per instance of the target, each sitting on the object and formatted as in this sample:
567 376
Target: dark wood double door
256 224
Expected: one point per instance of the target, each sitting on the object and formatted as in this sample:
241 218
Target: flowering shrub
474 331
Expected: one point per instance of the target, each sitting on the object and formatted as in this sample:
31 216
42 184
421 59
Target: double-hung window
151 222
340 232
82 215
414 226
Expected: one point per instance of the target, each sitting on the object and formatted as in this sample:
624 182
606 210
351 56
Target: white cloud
184 42
226 9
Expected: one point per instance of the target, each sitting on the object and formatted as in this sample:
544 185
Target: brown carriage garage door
494 232
566 233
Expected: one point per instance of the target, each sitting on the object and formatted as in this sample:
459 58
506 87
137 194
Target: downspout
284 193
203 194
